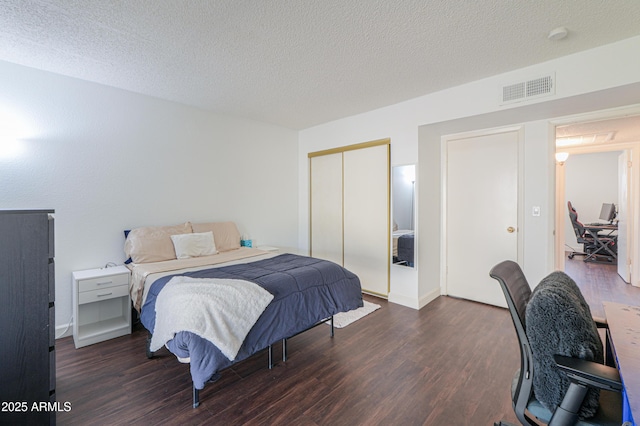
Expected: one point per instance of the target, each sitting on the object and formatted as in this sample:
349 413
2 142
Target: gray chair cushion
558 321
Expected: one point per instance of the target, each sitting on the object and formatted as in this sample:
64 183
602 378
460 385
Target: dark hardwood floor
450 363
600 282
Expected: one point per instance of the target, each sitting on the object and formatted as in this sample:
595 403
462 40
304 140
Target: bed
215 306
403 247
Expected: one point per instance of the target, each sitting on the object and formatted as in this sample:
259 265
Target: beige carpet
343 319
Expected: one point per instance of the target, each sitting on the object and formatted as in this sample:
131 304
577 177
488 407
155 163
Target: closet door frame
342 150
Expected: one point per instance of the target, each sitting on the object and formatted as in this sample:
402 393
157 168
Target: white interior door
481 219
366 217
623 215
326 207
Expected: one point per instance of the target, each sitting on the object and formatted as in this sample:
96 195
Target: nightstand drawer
97 283
102 294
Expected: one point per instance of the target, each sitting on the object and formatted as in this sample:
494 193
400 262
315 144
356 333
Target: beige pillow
194 245
225 234
153 243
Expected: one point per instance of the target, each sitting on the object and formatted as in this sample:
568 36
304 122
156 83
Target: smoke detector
558 33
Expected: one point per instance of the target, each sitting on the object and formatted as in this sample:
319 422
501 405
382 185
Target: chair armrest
589 373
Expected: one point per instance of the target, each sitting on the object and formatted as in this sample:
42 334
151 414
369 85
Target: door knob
511 229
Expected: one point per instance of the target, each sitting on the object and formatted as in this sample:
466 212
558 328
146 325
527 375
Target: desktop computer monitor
608 212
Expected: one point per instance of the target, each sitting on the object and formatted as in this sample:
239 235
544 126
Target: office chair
593 250
582 374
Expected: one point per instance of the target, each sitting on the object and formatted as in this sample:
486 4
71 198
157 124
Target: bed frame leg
270 357
284 350
331 325
196 397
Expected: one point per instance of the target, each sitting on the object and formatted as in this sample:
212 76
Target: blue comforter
306 290
405 248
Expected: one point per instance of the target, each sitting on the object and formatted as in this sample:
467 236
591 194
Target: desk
624 332
604 242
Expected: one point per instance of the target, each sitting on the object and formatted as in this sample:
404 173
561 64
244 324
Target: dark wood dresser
27 316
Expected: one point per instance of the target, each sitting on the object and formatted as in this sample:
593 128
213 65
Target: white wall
590 180
584 82
108 160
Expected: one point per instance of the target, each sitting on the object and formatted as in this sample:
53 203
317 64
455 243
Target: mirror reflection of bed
403 211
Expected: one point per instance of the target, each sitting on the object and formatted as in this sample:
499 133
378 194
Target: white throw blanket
221 311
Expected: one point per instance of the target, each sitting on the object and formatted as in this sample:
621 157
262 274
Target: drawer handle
104 282
102 295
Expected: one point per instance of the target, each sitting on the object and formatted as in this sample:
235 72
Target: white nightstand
101 305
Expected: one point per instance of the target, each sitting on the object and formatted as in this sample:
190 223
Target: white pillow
194 245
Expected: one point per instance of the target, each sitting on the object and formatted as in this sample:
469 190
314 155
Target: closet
350 210
27 315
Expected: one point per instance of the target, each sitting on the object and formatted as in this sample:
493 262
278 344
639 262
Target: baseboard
64 331
414 303
429 297
403 300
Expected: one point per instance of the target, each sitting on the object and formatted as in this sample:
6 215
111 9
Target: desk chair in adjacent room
597 247
583 375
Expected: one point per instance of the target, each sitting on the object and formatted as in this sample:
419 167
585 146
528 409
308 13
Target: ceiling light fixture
558 33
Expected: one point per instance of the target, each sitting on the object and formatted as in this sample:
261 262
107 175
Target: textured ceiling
299 63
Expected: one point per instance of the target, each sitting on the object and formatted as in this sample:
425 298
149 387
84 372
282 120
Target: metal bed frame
196 392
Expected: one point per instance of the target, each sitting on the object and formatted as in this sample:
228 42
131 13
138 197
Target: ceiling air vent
530 89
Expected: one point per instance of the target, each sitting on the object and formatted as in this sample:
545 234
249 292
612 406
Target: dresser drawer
97 283
102 294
